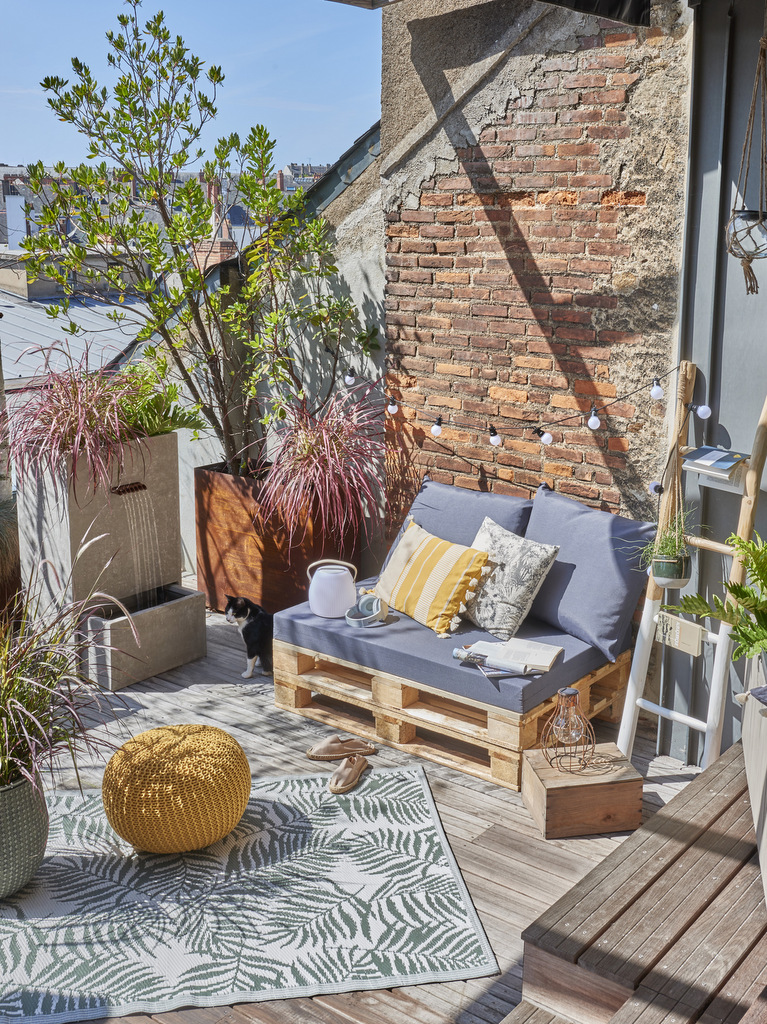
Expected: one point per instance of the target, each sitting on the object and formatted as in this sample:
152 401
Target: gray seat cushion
405 648
593 587
456 513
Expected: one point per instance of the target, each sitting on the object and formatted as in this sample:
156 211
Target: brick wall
538 276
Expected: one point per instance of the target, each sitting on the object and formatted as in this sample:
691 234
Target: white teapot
331 588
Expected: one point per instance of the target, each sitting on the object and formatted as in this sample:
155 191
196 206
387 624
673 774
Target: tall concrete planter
238 554
137 560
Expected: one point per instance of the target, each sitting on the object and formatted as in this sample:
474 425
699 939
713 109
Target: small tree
246 342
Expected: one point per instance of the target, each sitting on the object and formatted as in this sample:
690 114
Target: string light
701 411
544 435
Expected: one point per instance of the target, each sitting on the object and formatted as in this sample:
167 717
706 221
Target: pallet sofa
399 683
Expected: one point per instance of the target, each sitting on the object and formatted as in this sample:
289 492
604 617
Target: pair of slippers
351 752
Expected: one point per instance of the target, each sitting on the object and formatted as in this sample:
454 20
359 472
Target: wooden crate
465 734
605 799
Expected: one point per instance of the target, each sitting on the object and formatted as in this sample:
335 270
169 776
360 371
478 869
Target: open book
715 462
516 656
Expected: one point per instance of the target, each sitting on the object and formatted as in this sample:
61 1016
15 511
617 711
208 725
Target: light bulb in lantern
568 726
495 437
655 488
544 435
350 377
656 391
392 407
594 421
436 427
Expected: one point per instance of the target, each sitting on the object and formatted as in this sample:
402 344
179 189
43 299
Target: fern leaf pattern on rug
312 893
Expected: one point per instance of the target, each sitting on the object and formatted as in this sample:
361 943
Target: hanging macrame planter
747 229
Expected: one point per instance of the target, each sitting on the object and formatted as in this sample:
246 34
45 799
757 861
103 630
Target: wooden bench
465 734
671 928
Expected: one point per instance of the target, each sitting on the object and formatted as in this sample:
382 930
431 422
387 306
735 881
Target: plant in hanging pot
667 555
47 708
234 275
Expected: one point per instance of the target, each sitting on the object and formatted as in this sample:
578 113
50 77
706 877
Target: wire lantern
747 229
568 740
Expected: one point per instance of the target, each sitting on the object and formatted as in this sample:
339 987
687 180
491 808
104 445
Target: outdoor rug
312 893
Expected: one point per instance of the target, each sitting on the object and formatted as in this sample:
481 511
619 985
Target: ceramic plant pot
672 573
23 834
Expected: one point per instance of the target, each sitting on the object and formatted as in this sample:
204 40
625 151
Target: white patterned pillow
502 604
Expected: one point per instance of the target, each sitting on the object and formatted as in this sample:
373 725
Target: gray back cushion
456 513
592 589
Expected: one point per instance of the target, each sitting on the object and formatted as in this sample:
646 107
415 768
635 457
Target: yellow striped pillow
428 578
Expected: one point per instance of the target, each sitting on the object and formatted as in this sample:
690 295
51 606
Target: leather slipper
347 774
333 748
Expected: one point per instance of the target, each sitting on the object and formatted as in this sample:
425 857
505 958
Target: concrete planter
140 516
171 632
236 556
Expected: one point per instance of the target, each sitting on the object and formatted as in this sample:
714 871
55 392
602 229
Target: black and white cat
256 628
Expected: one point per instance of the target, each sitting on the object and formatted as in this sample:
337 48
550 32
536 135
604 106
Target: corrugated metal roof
26 328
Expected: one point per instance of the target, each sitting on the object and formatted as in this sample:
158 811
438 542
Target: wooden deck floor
513 875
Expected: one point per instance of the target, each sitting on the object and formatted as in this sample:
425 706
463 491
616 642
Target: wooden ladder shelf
711 726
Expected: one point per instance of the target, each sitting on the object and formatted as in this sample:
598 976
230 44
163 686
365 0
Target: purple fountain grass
329 465
77 413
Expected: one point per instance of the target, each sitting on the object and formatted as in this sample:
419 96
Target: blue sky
307 69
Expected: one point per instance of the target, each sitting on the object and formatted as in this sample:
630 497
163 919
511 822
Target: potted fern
744 608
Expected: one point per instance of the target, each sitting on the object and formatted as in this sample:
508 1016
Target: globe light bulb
594 421
655 488
656 391
392 407
350 377
703 412
546 437
495 437
436 427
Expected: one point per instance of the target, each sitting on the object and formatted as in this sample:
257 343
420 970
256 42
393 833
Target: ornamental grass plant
47 702
89 416
330 465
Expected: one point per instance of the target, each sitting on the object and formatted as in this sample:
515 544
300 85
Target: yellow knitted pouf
176 788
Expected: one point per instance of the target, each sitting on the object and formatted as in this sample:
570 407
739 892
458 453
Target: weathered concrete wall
533 165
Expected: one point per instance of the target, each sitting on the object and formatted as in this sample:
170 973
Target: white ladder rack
711 726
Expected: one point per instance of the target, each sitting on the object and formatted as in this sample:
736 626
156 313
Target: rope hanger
746 229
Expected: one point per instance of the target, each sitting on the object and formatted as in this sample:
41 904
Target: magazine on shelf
516 656
715 462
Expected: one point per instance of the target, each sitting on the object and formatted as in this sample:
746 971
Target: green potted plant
667 555
235 280
744 608
98 446
47 705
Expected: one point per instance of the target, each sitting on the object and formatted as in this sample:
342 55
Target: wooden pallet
670 928
465 734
